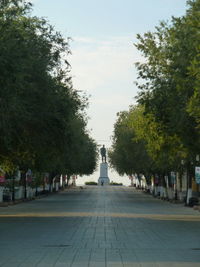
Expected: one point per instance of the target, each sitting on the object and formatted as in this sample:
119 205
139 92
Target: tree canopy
42 116
167 115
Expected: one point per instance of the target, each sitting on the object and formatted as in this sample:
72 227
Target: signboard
2 179
197 175
173 177
17 175
2 176
46 178
29 176
156 180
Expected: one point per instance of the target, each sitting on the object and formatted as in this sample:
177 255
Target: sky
103 34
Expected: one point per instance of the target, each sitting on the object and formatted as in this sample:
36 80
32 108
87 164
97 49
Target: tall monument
103 178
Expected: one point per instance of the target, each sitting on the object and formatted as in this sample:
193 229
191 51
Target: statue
103 178
103 153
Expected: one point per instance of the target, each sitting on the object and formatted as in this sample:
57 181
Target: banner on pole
197 175
173 177
2 179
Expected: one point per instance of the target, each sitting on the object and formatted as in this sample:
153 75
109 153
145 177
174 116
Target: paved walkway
97 227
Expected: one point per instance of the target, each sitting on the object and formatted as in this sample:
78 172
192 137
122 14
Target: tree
38 102
128 154
171 52
170 91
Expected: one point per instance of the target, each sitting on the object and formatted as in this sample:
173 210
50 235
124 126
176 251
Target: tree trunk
13 188
51 177
68 178
181 185
163 186
23 176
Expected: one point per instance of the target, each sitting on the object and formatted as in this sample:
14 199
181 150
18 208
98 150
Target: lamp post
181 180
25 193
197 170
189 182
13 187
188 179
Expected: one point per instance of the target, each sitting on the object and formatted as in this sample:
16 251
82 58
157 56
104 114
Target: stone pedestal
103 179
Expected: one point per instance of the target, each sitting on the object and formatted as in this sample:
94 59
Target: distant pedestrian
101 183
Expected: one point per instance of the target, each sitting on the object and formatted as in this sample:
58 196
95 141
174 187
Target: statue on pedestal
103 178
103 153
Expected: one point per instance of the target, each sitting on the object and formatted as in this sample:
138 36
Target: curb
11 203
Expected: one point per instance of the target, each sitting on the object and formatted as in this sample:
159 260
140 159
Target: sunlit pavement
99 226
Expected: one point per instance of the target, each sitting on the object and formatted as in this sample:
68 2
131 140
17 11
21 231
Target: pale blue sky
100 18
103 54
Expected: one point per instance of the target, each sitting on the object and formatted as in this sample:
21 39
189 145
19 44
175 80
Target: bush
90 183
193 201
114 183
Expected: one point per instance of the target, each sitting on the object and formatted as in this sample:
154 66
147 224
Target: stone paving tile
66 258
105 244
98 258
99 240
81 257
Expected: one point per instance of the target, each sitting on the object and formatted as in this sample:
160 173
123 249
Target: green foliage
90 183
41 115
171 73
128 155
164 126
114 183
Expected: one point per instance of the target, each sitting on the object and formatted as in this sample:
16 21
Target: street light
197 170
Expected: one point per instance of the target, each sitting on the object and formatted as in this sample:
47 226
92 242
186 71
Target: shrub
90 183
193 201
114 183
